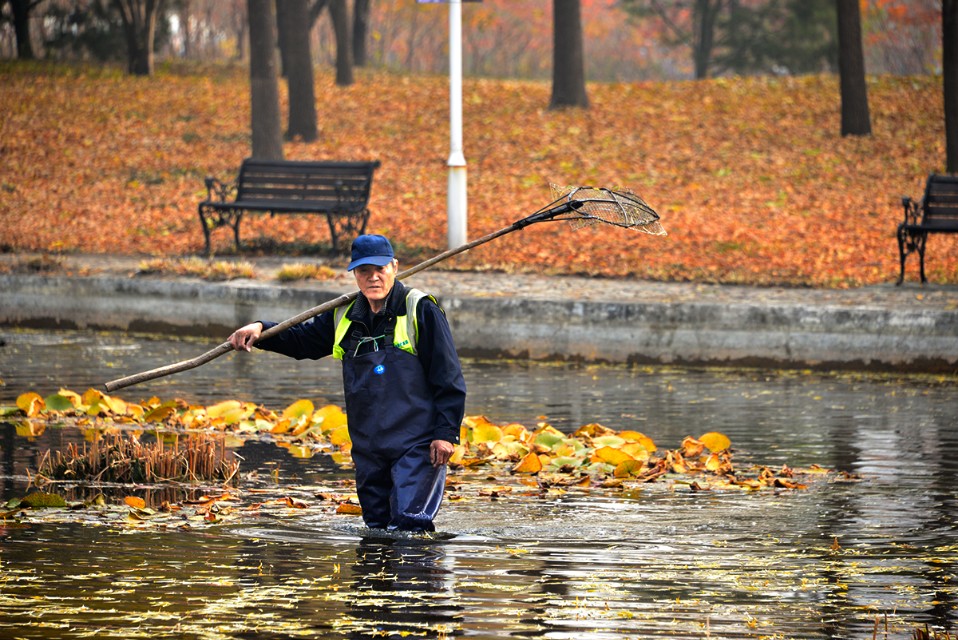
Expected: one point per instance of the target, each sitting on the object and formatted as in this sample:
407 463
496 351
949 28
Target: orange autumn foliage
750 175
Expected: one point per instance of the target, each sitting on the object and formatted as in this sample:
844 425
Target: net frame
584 206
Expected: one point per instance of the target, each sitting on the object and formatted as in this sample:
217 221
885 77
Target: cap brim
379 261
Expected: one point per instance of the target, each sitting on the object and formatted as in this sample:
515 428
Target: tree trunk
264 89
344 50
299 72
856 120
568 58
139 27
360 31
949 37
703 37
240 24
186 31
282 36
21 27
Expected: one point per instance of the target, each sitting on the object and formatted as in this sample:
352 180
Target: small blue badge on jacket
379 370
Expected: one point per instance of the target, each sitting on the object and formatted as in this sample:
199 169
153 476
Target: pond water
876 557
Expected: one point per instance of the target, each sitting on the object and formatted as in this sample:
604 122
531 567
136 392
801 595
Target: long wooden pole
226 347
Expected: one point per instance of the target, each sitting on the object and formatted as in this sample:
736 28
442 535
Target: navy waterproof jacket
437 352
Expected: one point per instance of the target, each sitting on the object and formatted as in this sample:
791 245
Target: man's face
376 282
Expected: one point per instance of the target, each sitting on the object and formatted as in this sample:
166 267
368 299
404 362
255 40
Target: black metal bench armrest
912 210
218 190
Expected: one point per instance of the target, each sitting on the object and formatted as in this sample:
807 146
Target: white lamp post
456 204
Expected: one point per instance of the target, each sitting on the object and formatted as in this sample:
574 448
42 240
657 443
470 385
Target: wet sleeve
312 339
437 353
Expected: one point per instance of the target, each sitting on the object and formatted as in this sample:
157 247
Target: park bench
936 212
340 190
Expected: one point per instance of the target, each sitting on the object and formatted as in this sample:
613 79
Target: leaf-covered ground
750 176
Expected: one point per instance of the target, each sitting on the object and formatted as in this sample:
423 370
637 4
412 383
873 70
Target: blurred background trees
624 40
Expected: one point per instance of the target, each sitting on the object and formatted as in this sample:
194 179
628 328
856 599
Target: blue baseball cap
371 249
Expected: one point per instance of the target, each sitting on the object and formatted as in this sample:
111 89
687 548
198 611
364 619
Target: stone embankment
884 327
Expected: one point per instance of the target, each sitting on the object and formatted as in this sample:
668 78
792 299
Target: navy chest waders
390 415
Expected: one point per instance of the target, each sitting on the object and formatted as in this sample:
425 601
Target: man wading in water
405 394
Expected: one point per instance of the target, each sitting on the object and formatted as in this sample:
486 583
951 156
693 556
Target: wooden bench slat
357 181
279 193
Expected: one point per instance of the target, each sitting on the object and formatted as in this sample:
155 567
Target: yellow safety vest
405 334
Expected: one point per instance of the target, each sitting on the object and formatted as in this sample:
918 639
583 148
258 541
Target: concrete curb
777 333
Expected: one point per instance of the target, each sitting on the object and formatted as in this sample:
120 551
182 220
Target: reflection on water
829 562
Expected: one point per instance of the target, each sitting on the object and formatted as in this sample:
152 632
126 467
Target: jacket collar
395 305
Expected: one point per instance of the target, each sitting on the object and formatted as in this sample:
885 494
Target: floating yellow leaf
302 426
615 442
692 448
715 442
485 431
529 464
115 405
349 509
675 462
457 455
782 483
713 463
565 449
135 502
517 431
641 438
340 436
299 409
593 430
509 449
30 403
223 409
628 468
281 426
91 397
610 455
160 413
636 450
134 414
331 416
73 395
340 457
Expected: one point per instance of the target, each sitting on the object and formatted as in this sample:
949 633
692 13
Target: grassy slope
750 176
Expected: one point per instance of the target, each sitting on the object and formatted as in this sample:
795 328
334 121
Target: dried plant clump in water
123 458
